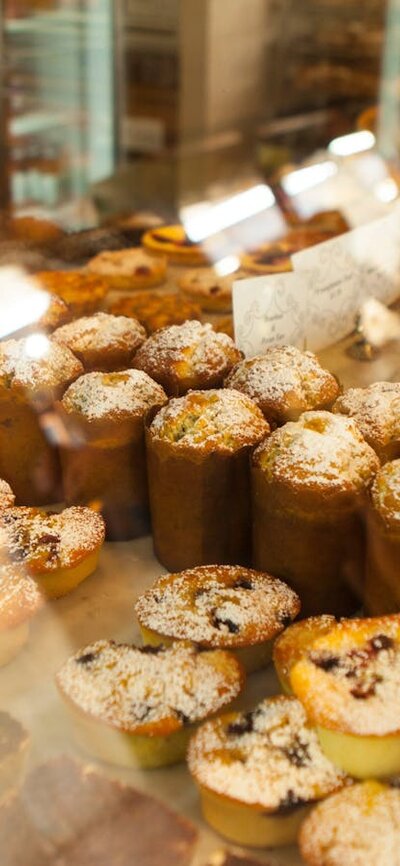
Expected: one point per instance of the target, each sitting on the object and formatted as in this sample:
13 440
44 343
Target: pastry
206 288
225 325
348 682
58 550
7 497
284 382
218 607
20 600
376 411
103 455
275 258
187 356
102 342
82 292
293 643
155 310
14 744
29 384
40 233
174 243
198 464
358 826
139 706
382 589
259 772
77 247
129 269
135 225
308 483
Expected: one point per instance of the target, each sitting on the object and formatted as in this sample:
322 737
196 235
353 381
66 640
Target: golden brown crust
82 292
206 288
155 310
385 495
36 232
376 411
7 497
295 640
102 341
128 269
173 242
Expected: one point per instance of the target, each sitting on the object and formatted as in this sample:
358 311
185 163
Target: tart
14 744
259 772
284 382
275 258
294 642
183 357
129 269
174 243
218 607
58 550
376 411
155 310
349 684
139 706
206 288
382 590
82 292
20 600
102 342
358 826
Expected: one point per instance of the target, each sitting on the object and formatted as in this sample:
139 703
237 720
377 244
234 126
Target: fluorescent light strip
305 178
356 142
201 224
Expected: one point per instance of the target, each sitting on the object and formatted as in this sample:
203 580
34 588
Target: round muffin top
112 396
45 542
284 382
150 690
385 493
7 497
358 826
187 356
376 410
20 597
269 758
133 261
218 605
210 421
102 339
21 370
349 678
320 451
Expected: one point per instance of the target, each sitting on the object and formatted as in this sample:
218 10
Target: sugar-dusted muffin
58 550
376 410
259 772
102 342
155 310
139 706
218 607
308 485
294 642
187 356
34 372
129 269
349 684
198 464
14 744
358 826
82 292
382 586
284 382
174 243
205 287
20 600
103 456
7 497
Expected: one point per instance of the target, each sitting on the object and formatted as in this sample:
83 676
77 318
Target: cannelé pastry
58 549
382 585
198 464
308 486
293 643
259 772
174 243
205 287
82 292
14 744
129 269
376 411
155 310
139 706
348 682
358 826
218 607
284 382
187 356
20 600
32 376
103 456
102 341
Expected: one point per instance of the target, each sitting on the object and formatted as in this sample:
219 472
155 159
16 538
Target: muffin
284 382
348 684
103 456
34 372
14 744
139 706
259 772
82 292
58 550
198 463
382 590
174 243
7 497
155 310
187 356
294 642
20 600
102 342
376 411
206 288
129 269
358 826
218 607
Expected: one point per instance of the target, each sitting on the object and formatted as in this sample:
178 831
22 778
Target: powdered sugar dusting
101 331
184 350
56 367
123 394
386 492
376 410
130 687
7 497
269 757
221 606
20 597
